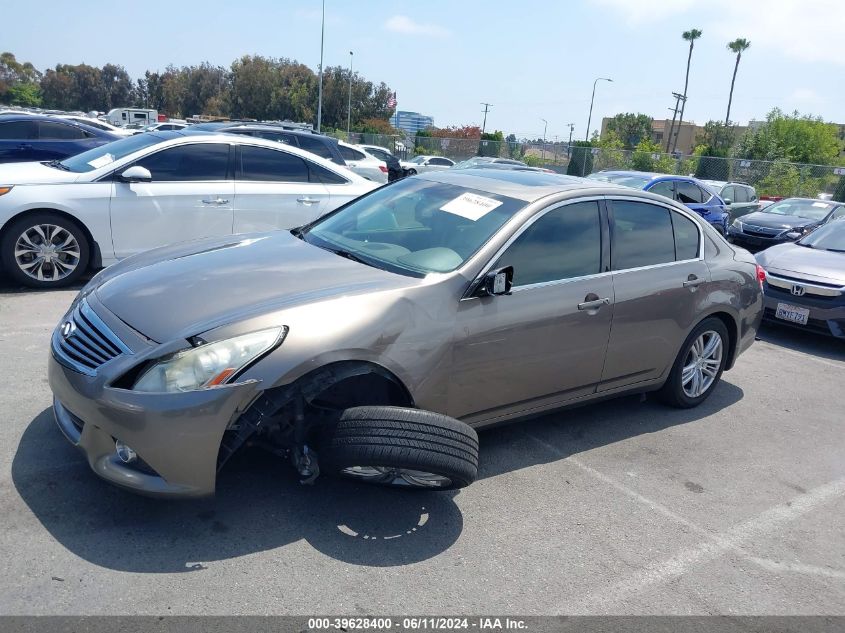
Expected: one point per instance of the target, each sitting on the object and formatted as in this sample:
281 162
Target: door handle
217 201
307 200
693 281
594 304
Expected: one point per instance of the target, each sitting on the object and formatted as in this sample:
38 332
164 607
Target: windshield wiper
351 256
57 164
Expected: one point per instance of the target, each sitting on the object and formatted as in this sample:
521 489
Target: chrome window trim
558 282
528 223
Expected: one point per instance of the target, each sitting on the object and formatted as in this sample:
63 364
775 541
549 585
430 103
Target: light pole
569 149
545 126
590 118
349 107
320 85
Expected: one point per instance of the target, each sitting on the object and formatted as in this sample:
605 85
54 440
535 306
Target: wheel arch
732 325
96 257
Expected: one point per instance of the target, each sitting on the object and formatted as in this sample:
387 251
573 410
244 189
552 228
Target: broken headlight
209 364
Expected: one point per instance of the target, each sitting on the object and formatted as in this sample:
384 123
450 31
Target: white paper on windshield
471 206
823 205
102 161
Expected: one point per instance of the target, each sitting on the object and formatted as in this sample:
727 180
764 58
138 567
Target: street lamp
590 118
545 126
569 149
320 88
349 108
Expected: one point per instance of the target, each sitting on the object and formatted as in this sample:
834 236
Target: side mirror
136 173
728 201
496 282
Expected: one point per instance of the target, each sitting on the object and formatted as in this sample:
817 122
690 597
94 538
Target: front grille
84 343
760 231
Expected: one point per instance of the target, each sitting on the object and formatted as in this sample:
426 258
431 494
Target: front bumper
743 239
176 436
823 319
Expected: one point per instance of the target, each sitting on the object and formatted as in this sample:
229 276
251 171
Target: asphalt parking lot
624 507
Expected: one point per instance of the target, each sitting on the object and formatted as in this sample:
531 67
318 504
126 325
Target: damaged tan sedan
373 343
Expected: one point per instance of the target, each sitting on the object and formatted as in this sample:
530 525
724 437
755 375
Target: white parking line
783 350
716 544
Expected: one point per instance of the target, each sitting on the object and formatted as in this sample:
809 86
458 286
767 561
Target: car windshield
108 153
807 209
414 226
830 237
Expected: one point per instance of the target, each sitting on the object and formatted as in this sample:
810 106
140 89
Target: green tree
491 144
688 36
782 179
22 78
839 192
581 161
24 94
611 153
737 46
796 138
630 128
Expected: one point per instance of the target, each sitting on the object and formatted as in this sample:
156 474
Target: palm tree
737 46
689 36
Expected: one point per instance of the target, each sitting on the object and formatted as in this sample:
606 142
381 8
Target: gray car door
544 343
659 280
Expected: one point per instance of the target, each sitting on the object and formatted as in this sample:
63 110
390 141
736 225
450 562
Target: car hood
775 220
33 174
812 264
186 289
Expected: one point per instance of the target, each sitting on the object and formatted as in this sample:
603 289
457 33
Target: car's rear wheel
44 250
398 447
412 172
698 366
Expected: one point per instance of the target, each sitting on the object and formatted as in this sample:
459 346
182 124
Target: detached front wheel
406 448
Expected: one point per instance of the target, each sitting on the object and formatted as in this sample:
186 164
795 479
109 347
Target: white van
125 116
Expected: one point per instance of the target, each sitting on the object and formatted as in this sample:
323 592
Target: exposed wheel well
361 384
96 260
731 327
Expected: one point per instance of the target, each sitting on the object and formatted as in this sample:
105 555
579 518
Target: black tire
672 392
40 219
376 438
412 172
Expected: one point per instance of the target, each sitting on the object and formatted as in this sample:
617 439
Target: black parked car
784 221
28 137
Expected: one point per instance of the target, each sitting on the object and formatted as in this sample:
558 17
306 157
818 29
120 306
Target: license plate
789 312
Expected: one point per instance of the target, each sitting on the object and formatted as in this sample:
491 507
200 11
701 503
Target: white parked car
164 126
363 163
100 125
422 164
59 218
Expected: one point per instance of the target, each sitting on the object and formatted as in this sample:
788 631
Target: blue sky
531 59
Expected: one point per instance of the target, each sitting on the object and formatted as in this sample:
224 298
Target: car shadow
806 342
260 506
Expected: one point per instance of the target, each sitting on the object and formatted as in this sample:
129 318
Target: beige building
687 132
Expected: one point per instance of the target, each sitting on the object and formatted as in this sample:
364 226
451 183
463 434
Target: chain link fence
777 178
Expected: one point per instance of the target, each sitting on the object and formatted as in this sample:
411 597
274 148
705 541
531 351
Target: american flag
391 101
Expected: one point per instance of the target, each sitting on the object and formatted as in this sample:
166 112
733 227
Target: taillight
383 169
761 274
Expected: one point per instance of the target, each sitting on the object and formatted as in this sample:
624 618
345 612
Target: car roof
523 185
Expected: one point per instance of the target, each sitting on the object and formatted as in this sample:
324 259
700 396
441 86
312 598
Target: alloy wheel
702 364
397 476
47 252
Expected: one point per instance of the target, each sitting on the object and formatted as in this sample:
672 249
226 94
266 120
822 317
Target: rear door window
268 165
642 235
689 193
315 146
663 188
687 238
55 131
350 154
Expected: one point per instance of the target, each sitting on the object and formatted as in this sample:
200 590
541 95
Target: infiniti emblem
798 291
68 329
